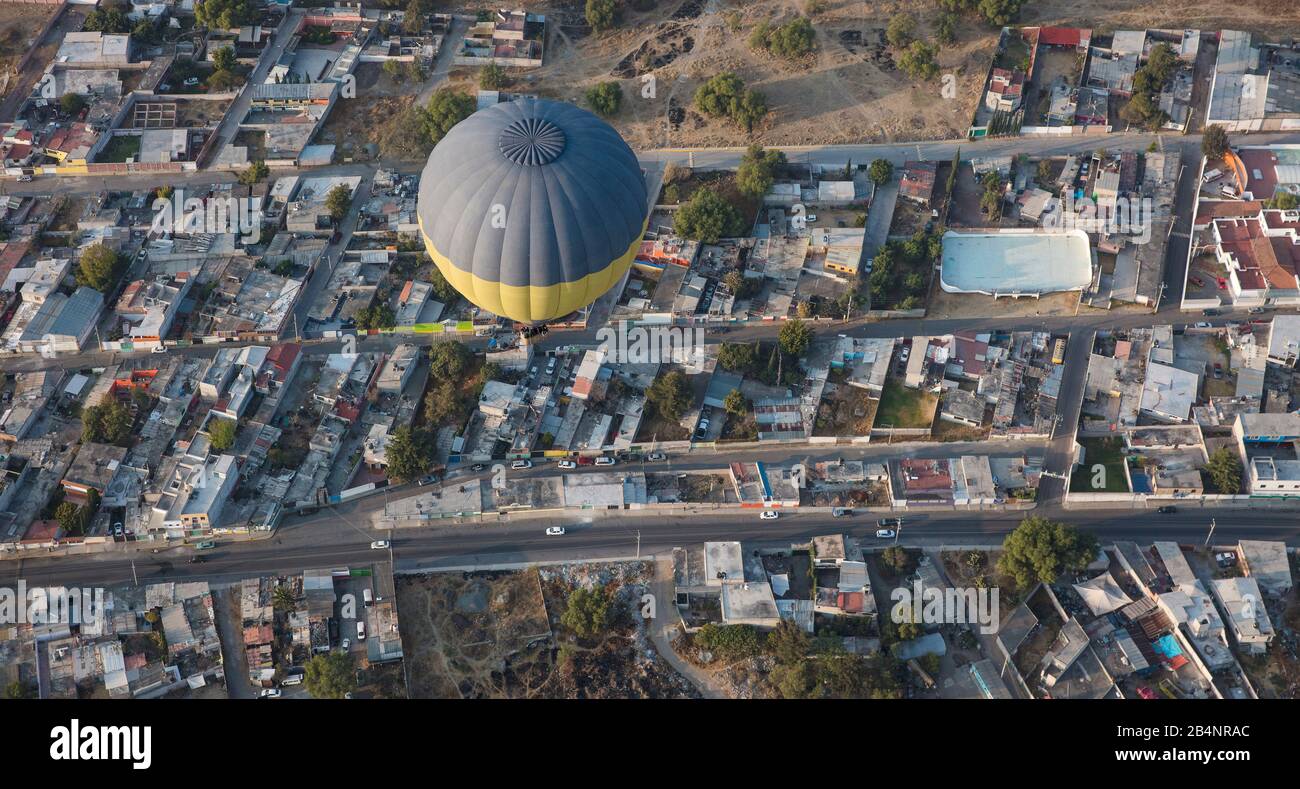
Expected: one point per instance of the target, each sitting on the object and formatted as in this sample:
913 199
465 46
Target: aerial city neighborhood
676 349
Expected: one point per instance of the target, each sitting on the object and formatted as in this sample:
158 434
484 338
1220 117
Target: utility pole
899 531
638 544
134 578
1211 534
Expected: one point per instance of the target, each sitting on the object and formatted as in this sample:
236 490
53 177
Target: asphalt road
296 547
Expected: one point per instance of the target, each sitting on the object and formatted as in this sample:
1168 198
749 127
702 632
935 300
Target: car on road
567 464
1168 509
1256 310
196 560
655 457
885 523
380 545
205 545
841 512
554 531
1211 312
269 693
769 515
518 464
427 479
24 179
605 460
1201 325
159 349
477 467
886 534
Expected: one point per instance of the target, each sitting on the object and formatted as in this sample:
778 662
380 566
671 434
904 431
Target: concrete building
1247 618
399 368
1009 262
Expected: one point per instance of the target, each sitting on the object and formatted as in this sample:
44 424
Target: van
1211 175
292 679
368 596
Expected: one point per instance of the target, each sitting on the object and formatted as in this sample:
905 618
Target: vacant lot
1107 452
901 407
19 24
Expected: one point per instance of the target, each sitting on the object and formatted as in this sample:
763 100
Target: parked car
270 693
361 631
885 534
655 457
567 464
554 531
428 479
159 349
550 366
477 467
1257 310
205 545
1218 371
841 512
23 179
1211 312
347 644
605 460
191 82
522 464
1168 509
380 545
885 523
1202 325
1225 558
769 515
1197 281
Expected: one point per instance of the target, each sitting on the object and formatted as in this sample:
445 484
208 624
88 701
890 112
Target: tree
255 172
1224 468
917 61
1214 141
109 422
792 40
900 30
758 170
605 98
224 14
110 21
670 395
735 403
492 77
407 458
224 59
221 433
1040 550
737 356
376 316
725 96
1285 201
707 217
795 337
338 201
602 15
587 612
1000 13
413 17
330 676
394 70
945 32
446 108
283 599
880 171
72 103
98 268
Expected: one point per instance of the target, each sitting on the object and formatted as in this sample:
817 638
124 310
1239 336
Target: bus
1058 351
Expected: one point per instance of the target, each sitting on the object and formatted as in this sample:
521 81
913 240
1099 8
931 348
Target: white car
1202 325
567 464
769 515
522 464
885 534
380 545
554 531
24 179
347 643
270 693
361 631
605 460
159 349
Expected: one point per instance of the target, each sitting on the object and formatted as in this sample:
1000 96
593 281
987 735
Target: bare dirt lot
19 24
499 635
846 91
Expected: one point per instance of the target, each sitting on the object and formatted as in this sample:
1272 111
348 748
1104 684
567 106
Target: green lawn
901 407
120 148
1109 452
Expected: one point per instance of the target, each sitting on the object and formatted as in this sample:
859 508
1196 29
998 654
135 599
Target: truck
1058 351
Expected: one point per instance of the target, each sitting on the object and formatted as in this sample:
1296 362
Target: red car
1218 371
1198 282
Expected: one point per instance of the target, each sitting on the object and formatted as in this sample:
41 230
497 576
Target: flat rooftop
1015 261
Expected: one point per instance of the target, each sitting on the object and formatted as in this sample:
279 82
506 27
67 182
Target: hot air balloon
532 208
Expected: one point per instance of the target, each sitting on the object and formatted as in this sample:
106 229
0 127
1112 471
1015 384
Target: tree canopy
605 98
407 457
602 15
1214 141
1041 549
725 96
221 433
707 217
670 395
587 612
795 337
1224 469
758 170
880 171
224 14
331 676
338 201
98 268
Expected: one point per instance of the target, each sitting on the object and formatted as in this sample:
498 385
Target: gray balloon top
532 193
